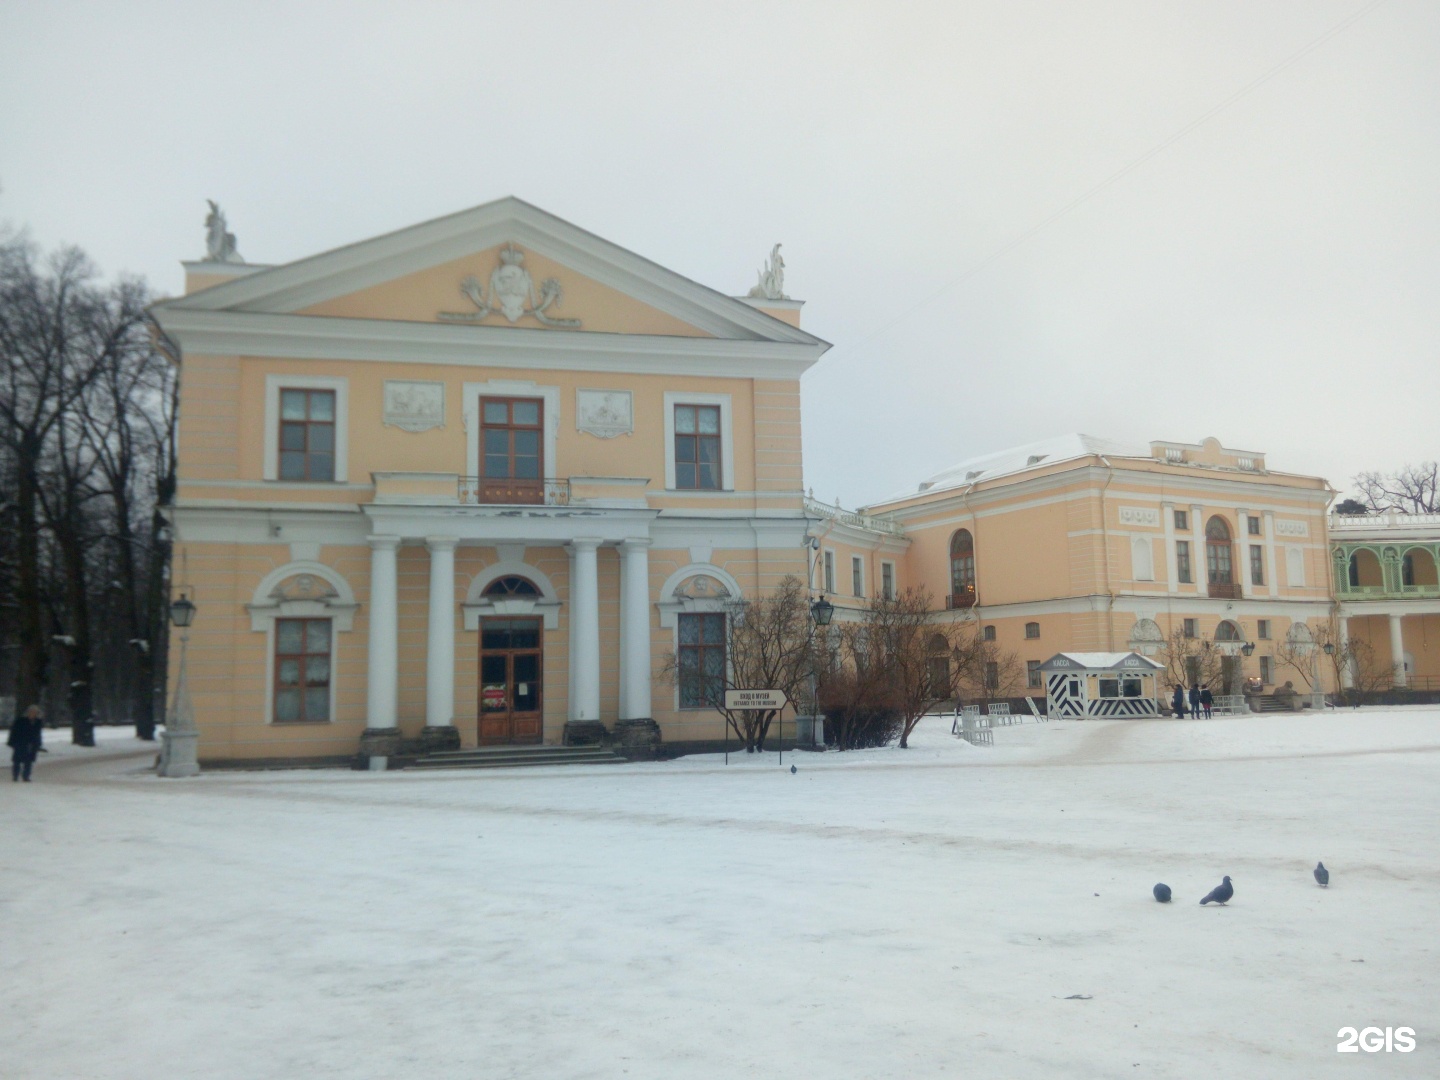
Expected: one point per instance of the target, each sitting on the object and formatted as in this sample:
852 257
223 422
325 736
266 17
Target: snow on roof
1102 660
1018 459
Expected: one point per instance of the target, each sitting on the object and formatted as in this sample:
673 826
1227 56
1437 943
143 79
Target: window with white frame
857 575
828 564
302 671
700 657
699 442
307 420
887 580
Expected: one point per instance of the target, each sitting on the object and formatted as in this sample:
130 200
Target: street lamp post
821 611
178 753
1317 696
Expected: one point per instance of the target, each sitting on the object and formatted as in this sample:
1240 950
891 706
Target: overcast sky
1270 277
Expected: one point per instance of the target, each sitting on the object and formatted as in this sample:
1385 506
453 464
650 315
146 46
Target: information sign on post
755 699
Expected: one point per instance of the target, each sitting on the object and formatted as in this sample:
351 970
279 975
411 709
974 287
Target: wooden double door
511 670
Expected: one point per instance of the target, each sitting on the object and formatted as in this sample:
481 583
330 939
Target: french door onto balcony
512 465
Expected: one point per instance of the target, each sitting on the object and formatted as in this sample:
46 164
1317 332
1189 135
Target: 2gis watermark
1373 1040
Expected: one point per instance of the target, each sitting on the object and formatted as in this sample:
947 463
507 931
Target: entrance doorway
510 673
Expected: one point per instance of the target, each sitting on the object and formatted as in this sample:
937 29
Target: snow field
877 914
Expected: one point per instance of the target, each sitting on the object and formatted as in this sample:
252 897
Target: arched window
962 569
1218 552
1227 631
1032 630
1418 568
1365 571
510 585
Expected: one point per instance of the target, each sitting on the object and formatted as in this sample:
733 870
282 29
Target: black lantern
1248 648
182 612
821 611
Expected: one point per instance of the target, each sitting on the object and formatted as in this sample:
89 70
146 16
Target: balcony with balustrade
1385 556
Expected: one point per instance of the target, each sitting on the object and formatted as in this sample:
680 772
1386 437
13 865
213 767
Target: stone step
508 757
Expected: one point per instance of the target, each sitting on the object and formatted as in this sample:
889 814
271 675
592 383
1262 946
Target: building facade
1078 544
479 481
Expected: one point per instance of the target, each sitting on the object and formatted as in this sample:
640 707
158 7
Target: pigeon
1162 893
792 770
1322 876
1220 893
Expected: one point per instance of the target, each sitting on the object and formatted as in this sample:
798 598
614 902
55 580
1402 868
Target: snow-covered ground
922 913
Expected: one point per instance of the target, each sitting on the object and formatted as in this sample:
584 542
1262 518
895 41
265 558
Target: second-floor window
1217 552
1254 525
857 575
1032 630
887 580
1182 560
1182 519
697 447
1190 628
1262 629
1257 564
307 434
829 565
510 439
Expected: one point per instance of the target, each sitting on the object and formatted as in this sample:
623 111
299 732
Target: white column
380 701
440 642
1397 650
635 630
1199 564
1347 673
1271 582
1242 550
1171 573
585 637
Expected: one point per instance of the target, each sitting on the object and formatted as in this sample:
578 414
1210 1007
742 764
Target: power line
1125 170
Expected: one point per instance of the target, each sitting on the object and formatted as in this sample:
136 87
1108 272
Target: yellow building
1075 543
470 483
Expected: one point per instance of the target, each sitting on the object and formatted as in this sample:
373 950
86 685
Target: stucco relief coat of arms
511 290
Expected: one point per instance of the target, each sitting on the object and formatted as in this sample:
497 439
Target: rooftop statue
771 285
219 244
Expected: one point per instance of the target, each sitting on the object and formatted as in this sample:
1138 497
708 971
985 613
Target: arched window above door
511 585
962 570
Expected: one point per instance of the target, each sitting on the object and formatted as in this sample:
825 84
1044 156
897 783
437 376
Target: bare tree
899 662
1412 489
768 646
86 453
1190 661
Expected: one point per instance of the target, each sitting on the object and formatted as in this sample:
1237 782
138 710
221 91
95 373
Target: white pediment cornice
297 285
304 337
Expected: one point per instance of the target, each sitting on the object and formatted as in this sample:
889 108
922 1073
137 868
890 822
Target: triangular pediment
503 264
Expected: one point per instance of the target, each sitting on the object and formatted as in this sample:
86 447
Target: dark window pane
684 475
322 439
526 635
292 465
497 441
287 705
685 450
497 412
292 404
689 629
495 635
713 629
317 703
289 633
322 467
525 412
292 436
497 467
322 406
527 444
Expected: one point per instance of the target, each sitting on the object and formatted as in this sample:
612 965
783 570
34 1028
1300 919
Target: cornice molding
304 337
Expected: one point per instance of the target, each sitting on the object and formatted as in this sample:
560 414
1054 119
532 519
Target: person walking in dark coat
1178 702
1195 701
1207 701
24 742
